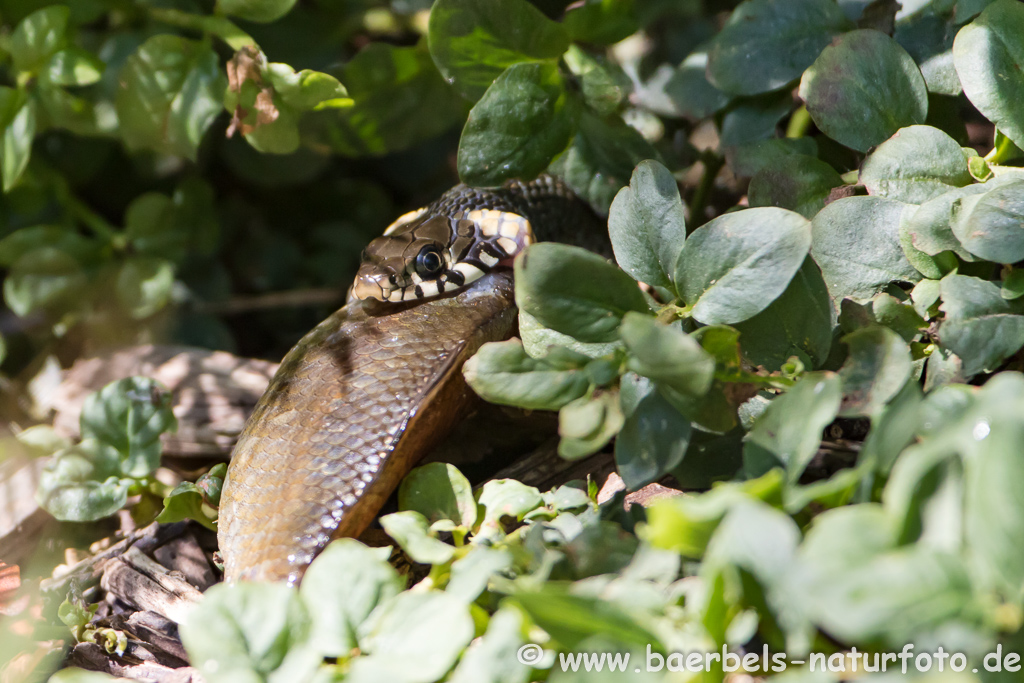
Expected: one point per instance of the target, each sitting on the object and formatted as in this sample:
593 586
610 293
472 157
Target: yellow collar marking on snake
422 255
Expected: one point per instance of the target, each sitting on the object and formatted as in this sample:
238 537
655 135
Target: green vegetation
870 277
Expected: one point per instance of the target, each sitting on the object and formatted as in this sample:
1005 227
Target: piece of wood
145 584
92 657
184 555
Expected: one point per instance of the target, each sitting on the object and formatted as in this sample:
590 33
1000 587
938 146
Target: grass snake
364 395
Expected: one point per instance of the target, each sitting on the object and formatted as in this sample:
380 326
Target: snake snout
373 282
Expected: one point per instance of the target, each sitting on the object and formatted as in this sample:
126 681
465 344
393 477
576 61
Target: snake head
423 255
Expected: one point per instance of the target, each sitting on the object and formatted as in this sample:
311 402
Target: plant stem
712 165
224 29
799 123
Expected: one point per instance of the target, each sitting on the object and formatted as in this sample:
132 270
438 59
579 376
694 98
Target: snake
362 397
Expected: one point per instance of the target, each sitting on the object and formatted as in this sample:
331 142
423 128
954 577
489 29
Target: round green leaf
666 354
473 41
144 285
508 498
18 118
796 182
250 632
440 493
981 327
930 225
502 372
263 11
855 242
588 423
768 43
411 531
690 93
915 165
130 415
734 266
798 323
38 36
74 66
46 278
81 483
413 638
788 433
652 442
989 57
863 89
991 225
520 124
170 91
647 225
574 291
876 369
602 22
342 586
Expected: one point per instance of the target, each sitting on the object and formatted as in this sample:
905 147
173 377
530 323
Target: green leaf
507 498
928 38
754 118
38 36
667 355
765 44
45 279
494 658
989 57
472 573
440 493
799 183
891 597
601 22
915 165
788 433
570 619
981 327
305 90
603 83
473 41
863 89
18 118
81 483
602 158
647 225
930 225
735 265
502 372
250 632
588 423
689 90
652 441
799 322
539 340
876 369
144 285
176 227
413 638
685 524
575 292
855 242
411 530
185 501
989 225
749 159
130 415
170 91
399 100
74 66
522 122
264 11
342 587
1013 285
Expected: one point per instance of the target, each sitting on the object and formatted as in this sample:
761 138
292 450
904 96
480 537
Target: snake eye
429 262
